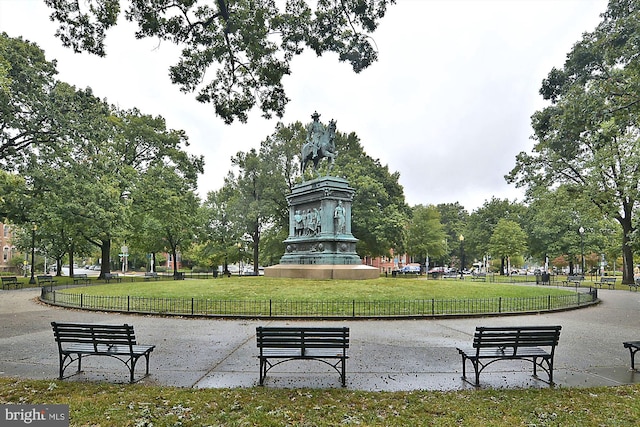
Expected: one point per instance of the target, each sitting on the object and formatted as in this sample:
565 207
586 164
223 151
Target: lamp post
239 259
32 280
461 255
581 230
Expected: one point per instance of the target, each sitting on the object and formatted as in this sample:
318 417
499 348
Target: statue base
320 244
322 271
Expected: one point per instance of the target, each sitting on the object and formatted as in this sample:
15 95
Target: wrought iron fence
318 309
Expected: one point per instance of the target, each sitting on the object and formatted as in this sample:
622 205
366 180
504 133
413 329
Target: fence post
270 308
500 305
81 300
192 306
128 302
548 302
353 308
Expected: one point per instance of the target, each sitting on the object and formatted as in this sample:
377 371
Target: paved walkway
384 355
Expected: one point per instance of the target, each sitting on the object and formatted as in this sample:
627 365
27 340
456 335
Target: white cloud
448 105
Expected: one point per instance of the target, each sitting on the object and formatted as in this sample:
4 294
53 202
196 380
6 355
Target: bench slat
98 340
302 343
509 343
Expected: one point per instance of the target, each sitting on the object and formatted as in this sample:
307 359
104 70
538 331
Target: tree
78 184
251 43
379 212
482 223
588 137
26 85
554 220
508 239
165 212
256 191
426 235
454 219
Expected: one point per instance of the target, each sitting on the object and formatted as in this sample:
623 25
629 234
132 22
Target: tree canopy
587 139
249 43
27 99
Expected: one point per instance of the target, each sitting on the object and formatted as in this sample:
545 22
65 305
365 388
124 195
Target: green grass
262 288
105 405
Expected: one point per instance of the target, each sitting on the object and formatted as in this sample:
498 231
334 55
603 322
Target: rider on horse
319 144
315 130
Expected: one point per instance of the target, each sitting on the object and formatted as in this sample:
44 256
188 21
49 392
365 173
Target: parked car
410 269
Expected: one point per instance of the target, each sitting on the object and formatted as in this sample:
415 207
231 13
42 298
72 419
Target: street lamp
581 230
32 280
461 255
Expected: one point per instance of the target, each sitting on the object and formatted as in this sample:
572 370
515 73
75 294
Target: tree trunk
174 253
256 246
627 250
570 268
71 250
105 253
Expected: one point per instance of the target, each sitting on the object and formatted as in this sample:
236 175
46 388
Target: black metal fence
318 309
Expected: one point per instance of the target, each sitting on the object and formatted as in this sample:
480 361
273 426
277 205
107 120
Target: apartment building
8 250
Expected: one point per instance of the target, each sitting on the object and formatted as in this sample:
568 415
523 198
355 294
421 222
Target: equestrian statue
319 144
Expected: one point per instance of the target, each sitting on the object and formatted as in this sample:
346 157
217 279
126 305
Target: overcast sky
447 105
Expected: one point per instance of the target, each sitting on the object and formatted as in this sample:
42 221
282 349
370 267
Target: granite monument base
323 271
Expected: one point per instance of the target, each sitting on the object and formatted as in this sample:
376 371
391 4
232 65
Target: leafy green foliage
508 239
454 218
426 234
483 221
249 43
587 139
26 90
379 212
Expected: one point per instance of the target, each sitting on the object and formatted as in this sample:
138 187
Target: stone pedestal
320 233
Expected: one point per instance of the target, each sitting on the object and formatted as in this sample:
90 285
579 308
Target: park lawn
106 405
264 288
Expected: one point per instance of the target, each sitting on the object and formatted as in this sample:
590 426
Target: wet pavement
385 355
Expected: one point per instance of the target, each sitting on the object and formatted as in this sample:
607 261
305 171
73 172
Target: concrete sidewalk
389 355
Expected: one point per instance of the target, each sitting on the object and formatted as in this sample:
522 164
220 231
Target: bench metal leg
632 353
263 370
61 373
475 369
343 375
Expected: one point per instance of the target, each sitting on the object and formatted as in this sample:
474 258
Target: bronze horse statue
326 149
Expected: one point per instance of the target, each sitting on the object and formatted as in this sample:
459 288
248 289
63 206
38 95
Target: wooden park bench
533 343
8 281
118 341
609 281
574 280
108 277
80 278
325 344
151 275
45 279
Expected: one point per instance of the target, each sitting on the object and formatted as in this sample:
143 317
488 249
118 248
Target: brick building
8 250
